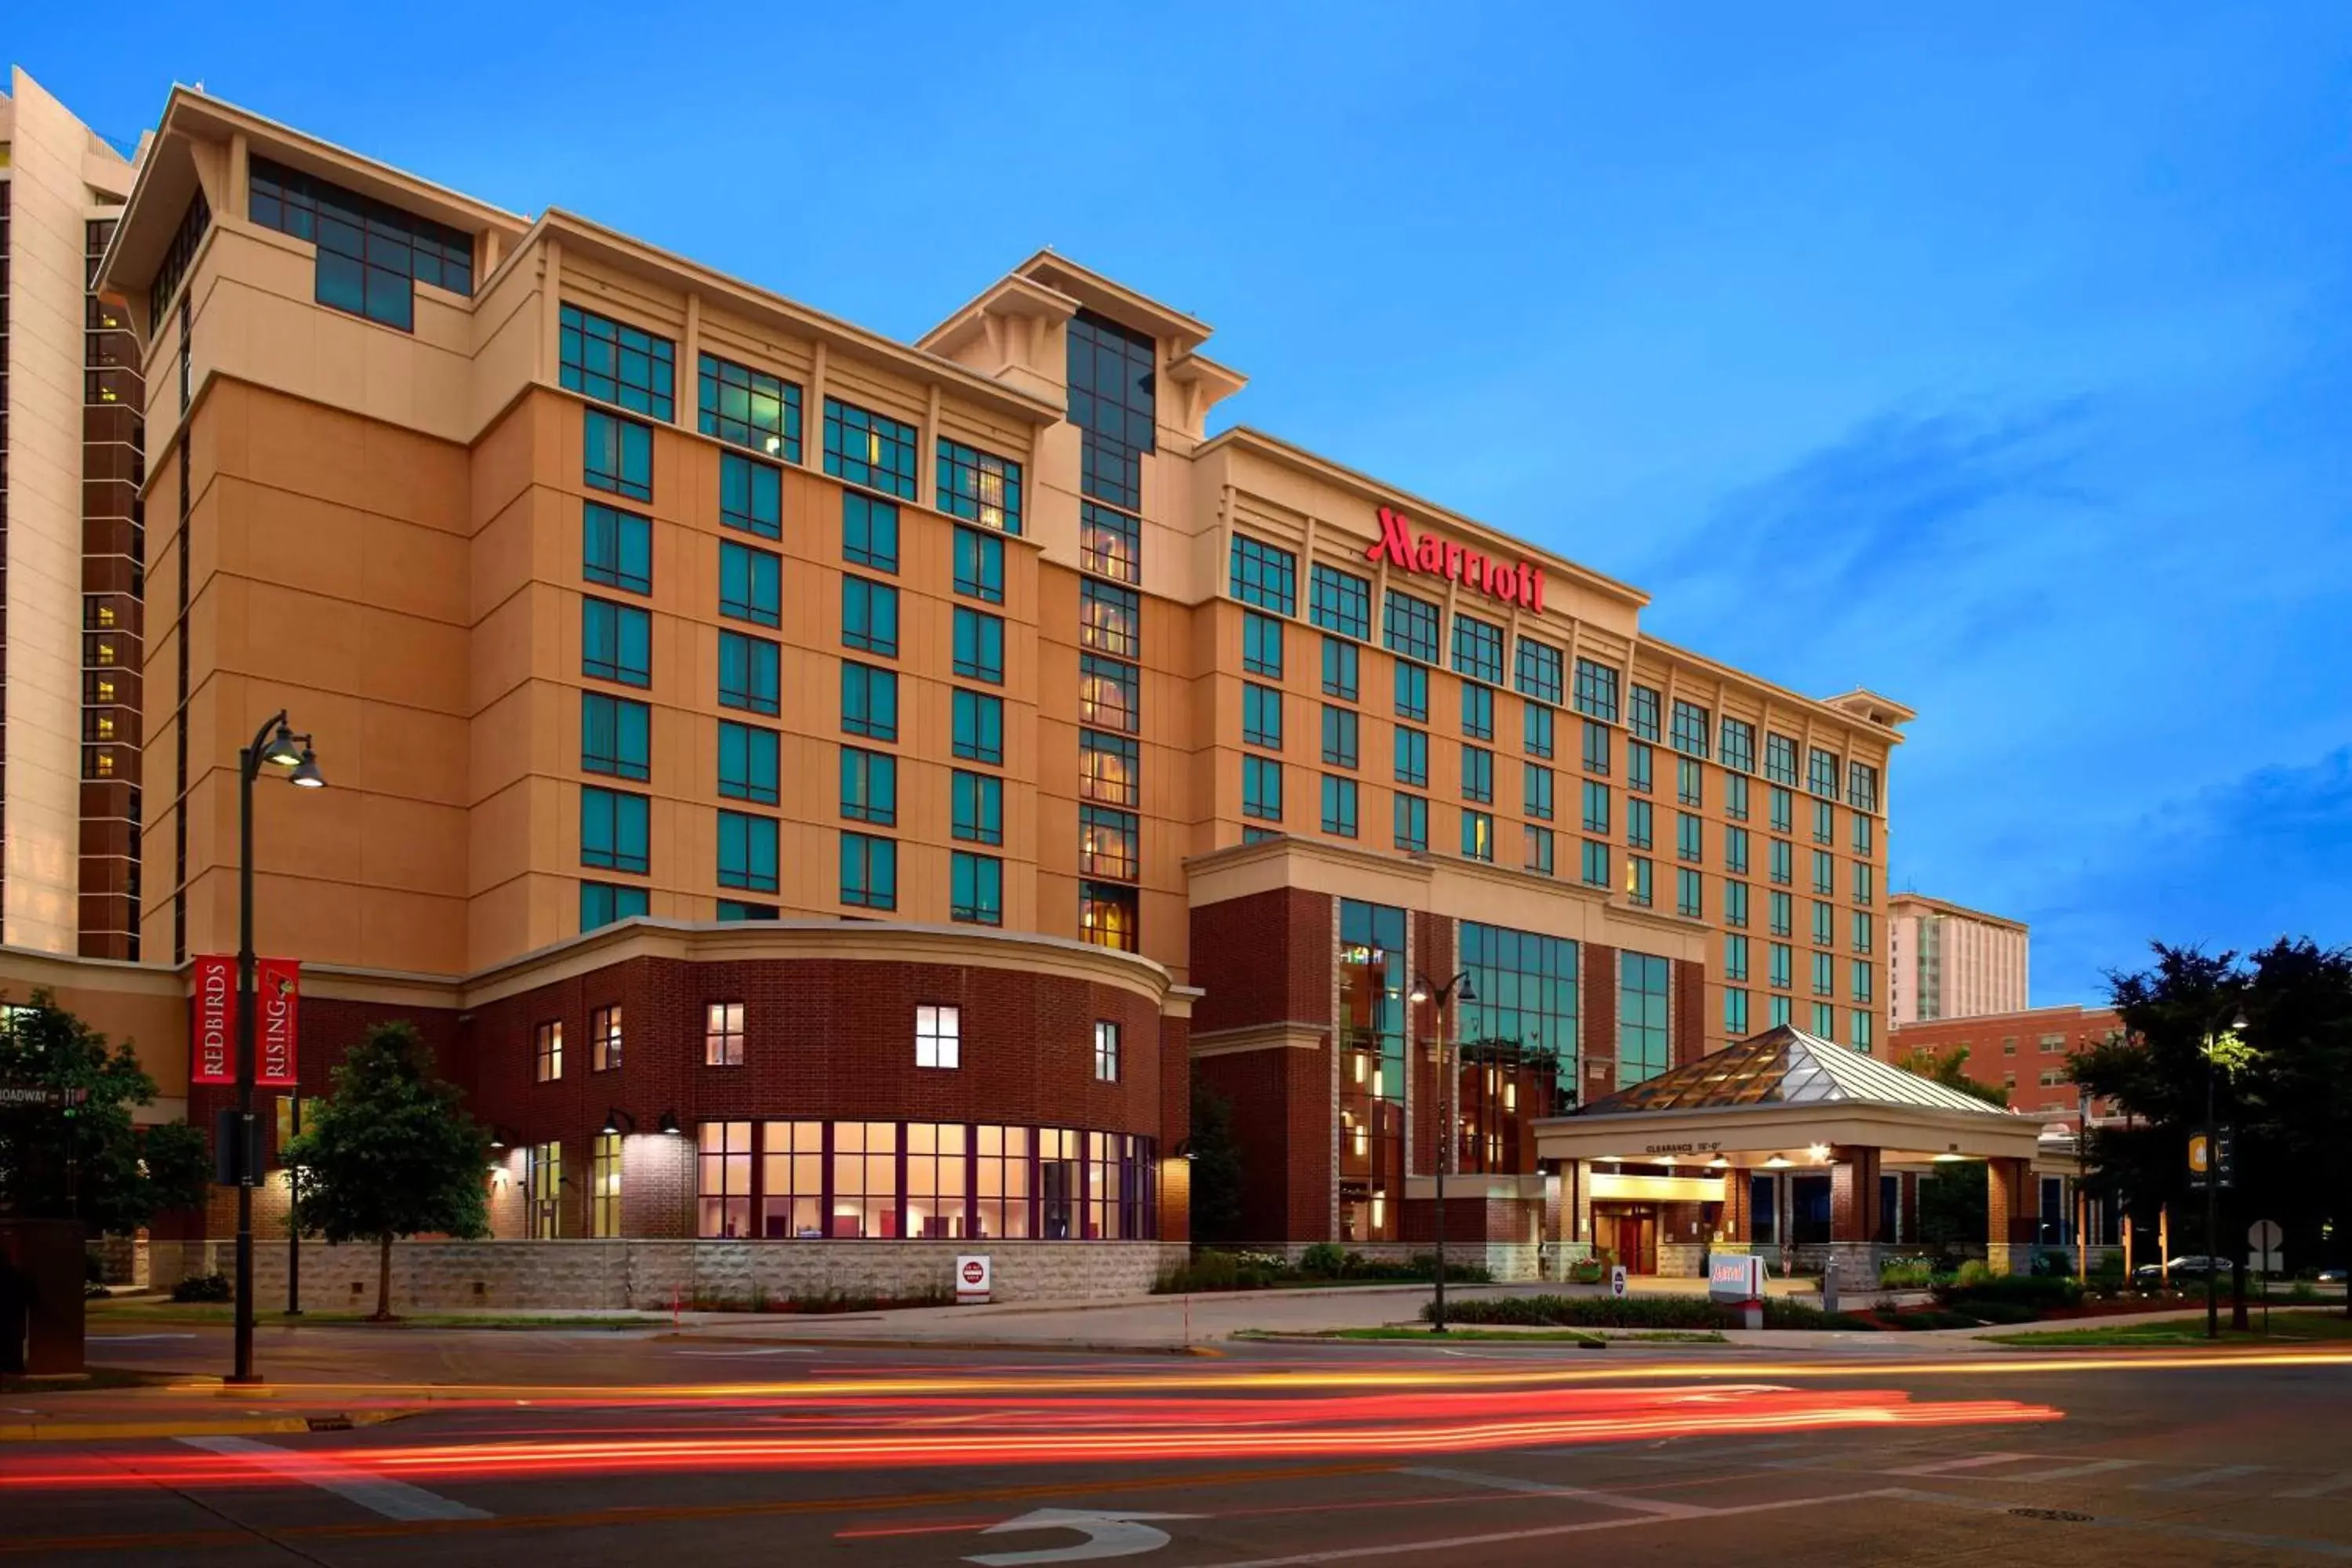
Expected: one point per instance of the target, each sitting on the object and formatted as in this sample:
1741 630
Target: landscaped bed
2298 1326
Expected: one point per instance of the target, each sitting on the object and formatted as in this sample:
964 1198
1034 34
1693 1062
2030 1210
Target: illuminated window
1106 1051
1637 880
605 1040
543 1190
938 1038
1111 619
979 487
792 1179
1109 542
1109 693
1106 915
604 1185
1107 768
869 449
722 1034
751 408
1538 850
934 1180
1107 842
723 1179
547 1052
864 1179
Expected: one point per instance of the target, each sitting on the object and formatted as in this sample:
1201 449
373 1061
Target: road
594 1448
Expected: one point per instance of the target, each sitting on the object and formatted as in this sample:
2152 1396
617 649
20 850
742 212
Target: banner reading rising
277 998
212 1056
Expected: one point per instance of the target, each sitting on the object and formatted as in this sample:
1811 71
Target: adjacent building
2022 1052
1947 962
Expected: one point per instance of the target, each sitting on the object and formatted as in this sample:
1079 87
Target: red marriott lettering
1509 583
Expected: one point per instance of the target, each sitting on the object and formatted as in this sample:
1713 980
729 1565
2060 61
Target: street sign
43 1096
2264 1236
1617 1281
2219 1153
2265 1263
972 1278
1734 1277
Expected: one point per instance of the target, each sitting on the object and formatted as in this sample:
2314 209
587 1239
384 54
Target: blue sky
1998 365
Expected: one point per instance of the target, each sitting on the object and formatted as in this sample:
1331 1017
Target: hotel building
1947 962
903 768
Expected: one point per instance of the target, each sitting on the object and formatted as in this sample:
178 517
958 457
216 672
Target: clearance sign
277 1004
1511 583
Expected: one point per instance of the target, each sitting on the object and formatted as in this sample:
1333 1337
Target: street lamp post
274 743
1422 990
2237 1020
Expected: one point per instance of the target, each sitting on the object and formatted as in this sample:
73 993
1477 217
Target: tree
87 1160
1951 1070
1216 1160
390 1152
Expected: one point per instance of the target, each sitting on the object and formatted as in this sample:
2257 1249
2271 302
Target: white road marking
765 1350
2335 1482
130 1339
1973 1462
1108 1534
2200 1478
2074 1472
393 1499
1658 1507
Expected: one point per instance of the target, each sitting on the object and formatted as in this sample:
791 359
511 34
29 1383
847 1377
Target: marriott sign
1508 582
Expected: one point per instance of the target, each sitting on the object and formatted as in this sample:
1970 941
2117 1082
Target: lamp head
1420 992
1463 992
669 1124
283 748
2238 1020
612 1121
306 772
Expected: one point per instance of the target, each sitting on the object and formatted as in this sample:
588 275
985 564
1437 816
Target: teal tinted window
980 565
1539 670
1478 649
748 673
751 584
1638 825
1596 747
613 363
1539 850
1478 712
978 806
1687 842
1478 836
615 736
1411 815
869 615
747 763
1262 788
869 449
1412 693
1412 757
733 910
747 852
1340 670
1783 861
1265 576
1821 774
869 532
869 786
1688 733
370 255
1340 729
749 408
980 727
751 496
1596 691
979 646
1642 1045
1340 806
1734 958
1595 866
1535 785
616 455
1478 774
1780 759
1642 714
975 888
1410 627
1639 762
1735 1012
1261 645
1688 895
1734 904
616 642
1341 602
1690 782
1736 747
602 903
1596 807
1537 729
870 871
869 701
979 487
1526 985
1784 810
614 830
616 548
1735 850
1261 716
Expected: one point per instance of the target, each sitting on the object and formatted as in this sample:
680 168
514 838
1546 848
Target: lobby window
869 532
1596 808
1106 916
1734 904
1535 786
722 1034
601 904
1638 878
1640 830
1478 649
1860 1037
869 449
1340 729
865 1179
938 1038
1783 964
1262 788
1109 542
747 763
1539 670
1261 716
1824 822
1640 765
870 789
1821 774
979 487
1596 691
1111 619
1478 774
1478 712
1261 645
1412 757
1690 782
1689 897
615 736
980 565
1106 1051
1824 871
615 642
751 496
1641 1049
1412 822
1735 850
1779 759
1265 576
617 363
1861 786
1865 834
869 615
1688 733
975 888
1109 768
1735 1012
1410 627
1108 693
1539 856
1859 932
1478 836
614 831
979 645
370 255
616 548
979 724
731 911
1340 662
1339 805
1783 862
1736 746
1783 915
1784 810
1864 879
604 1185
977 807
1734 958
546 1052
1642 714
1341 602
749 674
1108 842
542 1177
869 700
1595 869
1596 748
870 871
1861 979
616 455
749 408
751 584
604 1039
1688 830
1735 796
1536 728
723 1179
1412 693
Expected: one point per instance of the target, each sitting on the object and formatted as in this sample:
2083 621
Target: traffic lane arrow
1108 1534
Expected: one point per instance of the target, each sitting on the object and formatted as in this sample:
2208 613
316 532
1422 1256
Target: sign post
1617 1286
2264 1236
1737 1278
973 1276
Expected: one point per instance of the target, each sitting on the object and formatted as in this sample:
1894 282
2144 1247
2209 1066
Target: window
1688 734
1864 879
1859 932
1642 713
1596 748
1861 786
1537 729
864 1179
1596 864
1412 693
1478 649
604 1185
1860 978
1863 835
869 698
975 888
1824 975
1107 768
748 673
1596 691
1861 1025
546 1052
980 565
1639 759
1734 904
370 255
617 363
870 788
1411 816
1340 806
605 1040
979 726
733 910
1109 542
870 871
615 642
1261 645
181 251
747 851
1735 850
979 487
1262 788
601 904
722 1034
1783 914
1783 858
1776 1010
1340 670
749 408
1638 880
1735 1012
1734 958
616 455
1535 780
869 449
1478 836
938 1038
1106 916
1688 897
616 548
1596 807
1478 712
723 1179
1688 830
1824 823
751 496
1735 798
1821 774
747 763
1107 842
1341 602
614 830
751 584
1784 814
1690 782
1412 757
543 1176
1111 619
1265 576
1824 871
1340 735
1538 850
1780 759
1261 716
869 532
1781 965
1639 830
1108 693
979 645
869 615
615 736
1538 670
1642 1013
1736 747
1410 627
977 807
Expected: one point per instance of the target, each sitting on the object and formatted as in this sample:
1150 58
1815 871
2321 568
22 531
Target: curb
222 1426
1081 1347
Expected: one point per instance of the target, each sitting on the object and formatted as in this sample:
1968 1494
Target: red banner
276 997
212 1054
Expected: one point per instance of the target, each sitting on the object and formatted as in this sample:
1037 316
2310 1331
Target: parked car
2149 1276
2330 1276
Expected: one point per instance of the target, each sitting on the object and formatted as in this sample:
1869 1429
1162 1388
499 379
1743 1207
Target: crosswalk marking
393 1499
2074 1472
2335 1482
1657 1506
2200 1478
1971 1462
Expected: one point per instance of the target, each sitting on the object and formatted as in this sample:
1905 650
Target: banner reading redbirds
277 998
212 1056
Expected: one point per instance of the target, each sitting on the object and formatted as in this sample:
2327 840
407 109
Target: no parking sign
972 1280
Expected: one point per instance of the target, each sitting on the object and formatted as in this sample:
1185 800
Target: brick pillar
1597 997
2011 1198
1853 1215
1907 1227
1739 1208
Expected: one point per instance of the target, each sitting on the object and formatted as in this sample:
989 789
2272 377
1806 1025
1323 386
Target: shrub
1324 1260
203 1287
2001 1312
1586 1271
1906 1274
1974 1272
2302 1290
2038 1292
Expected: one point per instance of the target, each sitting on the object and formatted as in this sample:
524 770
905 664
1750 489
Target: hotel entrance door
1628 1233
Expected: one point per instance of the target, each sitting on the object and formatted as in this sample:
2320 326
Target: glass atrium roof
1785 1066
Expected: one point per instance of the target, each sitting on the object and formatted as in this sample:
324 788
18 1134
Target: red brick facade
2024 1053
